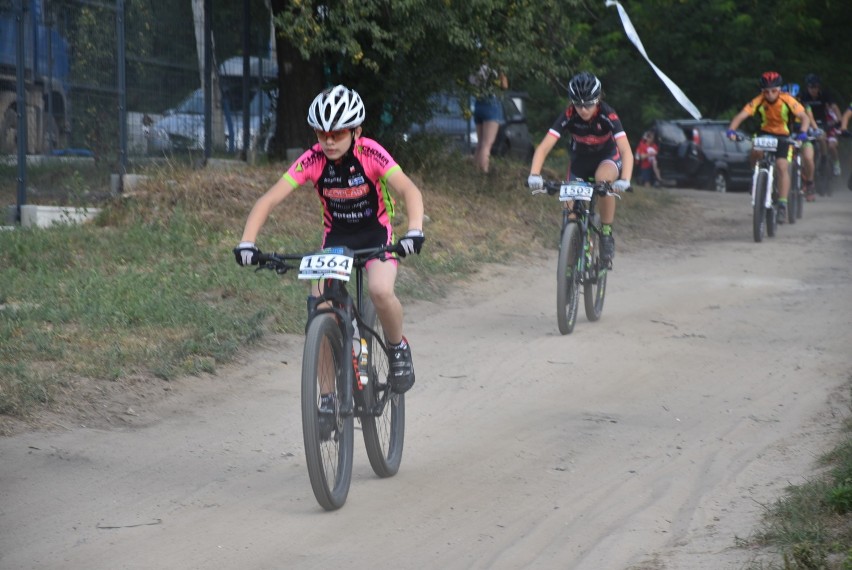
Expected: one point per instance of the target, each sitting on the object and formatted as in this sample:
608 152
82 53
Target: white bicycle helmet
336 109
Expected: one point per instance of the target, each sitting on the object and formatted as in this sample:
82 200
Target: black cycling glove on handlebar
246 253
411 243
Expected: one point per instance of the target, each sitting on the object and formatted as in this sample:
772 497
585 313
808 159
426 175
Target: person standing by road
646 153
599 149
487 113
776 110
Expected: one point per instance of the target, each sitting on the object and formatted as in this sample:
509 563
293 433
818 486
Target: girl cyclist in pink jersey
352 176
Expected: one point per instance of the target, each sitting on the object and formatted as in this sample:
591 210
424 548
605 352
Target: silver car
182 128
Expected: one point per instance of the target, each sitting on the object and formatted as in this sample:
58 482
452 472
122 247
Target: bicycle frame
347 308
335 299
582 212
767 164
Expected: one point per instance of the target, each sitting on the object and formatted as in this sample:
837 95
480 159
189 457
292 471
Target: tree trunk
299 81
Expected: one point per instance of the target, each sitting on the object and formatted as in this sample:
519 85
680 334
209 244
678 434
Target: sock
606 229
402 344
782 201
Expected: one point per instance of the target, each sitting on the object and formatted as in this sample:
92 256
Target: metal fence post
208 80
21 108
244 152
122 93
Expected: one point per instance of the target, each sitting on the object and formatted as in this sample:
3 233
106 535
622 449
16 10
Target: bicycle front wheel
594 287
759 211
383 422
568 279
328 440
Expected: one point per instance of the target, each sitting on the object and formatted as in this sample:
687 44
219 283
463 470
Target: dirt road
647 440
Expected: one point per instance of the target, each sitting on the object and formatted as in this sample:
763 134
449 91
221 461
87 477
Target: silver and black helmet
584 88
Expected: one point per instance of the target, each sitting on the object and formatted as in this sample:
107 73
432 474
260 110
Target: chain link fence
93 89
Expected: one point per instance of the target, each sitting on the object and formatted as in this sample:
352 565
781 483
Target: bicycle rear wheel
568 279
594 287
800 204
328 455
821 174
759 210
793 199
383 424
771 221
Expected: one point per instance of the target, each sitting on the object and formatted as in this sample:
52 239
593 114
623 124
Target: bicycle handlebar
281 262
790 139
602 188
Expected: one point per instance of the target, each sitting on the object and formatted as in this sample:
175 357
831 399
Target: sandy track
647 440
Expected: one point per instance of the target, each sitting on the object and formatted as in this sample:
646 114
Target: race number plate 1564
326 266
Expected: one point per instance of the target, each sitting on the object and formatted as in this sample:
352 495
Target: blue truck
46 73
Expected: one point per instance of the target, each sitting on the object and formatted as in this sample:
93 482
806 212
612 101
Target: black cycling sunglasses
586 104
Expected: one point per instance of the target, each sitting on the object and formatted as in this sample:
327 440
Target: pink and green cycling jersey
353 190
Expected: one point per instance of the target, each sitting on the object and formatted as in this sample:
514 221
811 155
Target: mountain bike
579 263
763 191
345 355
822 168
796 196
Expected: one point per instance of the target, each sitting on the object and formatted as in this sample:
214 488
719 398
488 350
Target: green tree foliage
399 53
716 51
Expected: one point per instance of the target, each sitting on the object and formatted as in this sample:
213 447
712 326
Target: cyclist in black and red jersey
353 177
599 149
776 110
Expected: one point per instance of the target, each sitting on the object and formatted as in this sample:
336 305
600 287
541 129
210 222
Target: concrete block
46 216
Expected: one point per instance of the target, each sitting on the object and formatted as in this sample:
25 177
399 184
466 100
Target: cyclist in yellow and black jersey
776 110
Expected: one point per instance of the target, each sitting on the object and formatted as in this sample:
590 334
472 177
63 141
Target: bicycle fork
770 176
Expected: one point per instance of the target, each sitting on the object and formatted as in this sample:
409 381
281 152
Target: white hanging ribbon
634 37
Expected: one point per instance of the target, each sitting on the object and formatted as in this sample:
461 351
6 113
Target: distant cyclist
807 150
776 110
352 176
599 149
827 115
844 130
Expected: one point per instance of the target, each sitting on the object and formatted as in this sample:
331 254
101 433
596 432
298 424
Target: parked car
696 153
182 127
453 120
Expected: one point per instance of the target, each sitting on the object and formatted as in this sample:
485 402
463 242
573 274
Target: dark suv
696 153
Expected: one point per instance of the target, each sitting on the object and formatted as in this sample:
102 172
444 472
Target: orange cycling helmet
770 79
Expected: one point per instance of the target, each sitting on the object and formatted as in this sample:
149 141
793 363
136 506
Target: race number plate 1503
576 191
326 266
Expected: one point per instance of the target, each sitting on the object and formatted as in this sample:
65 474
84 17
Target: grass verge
150 289
150 292
810 527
